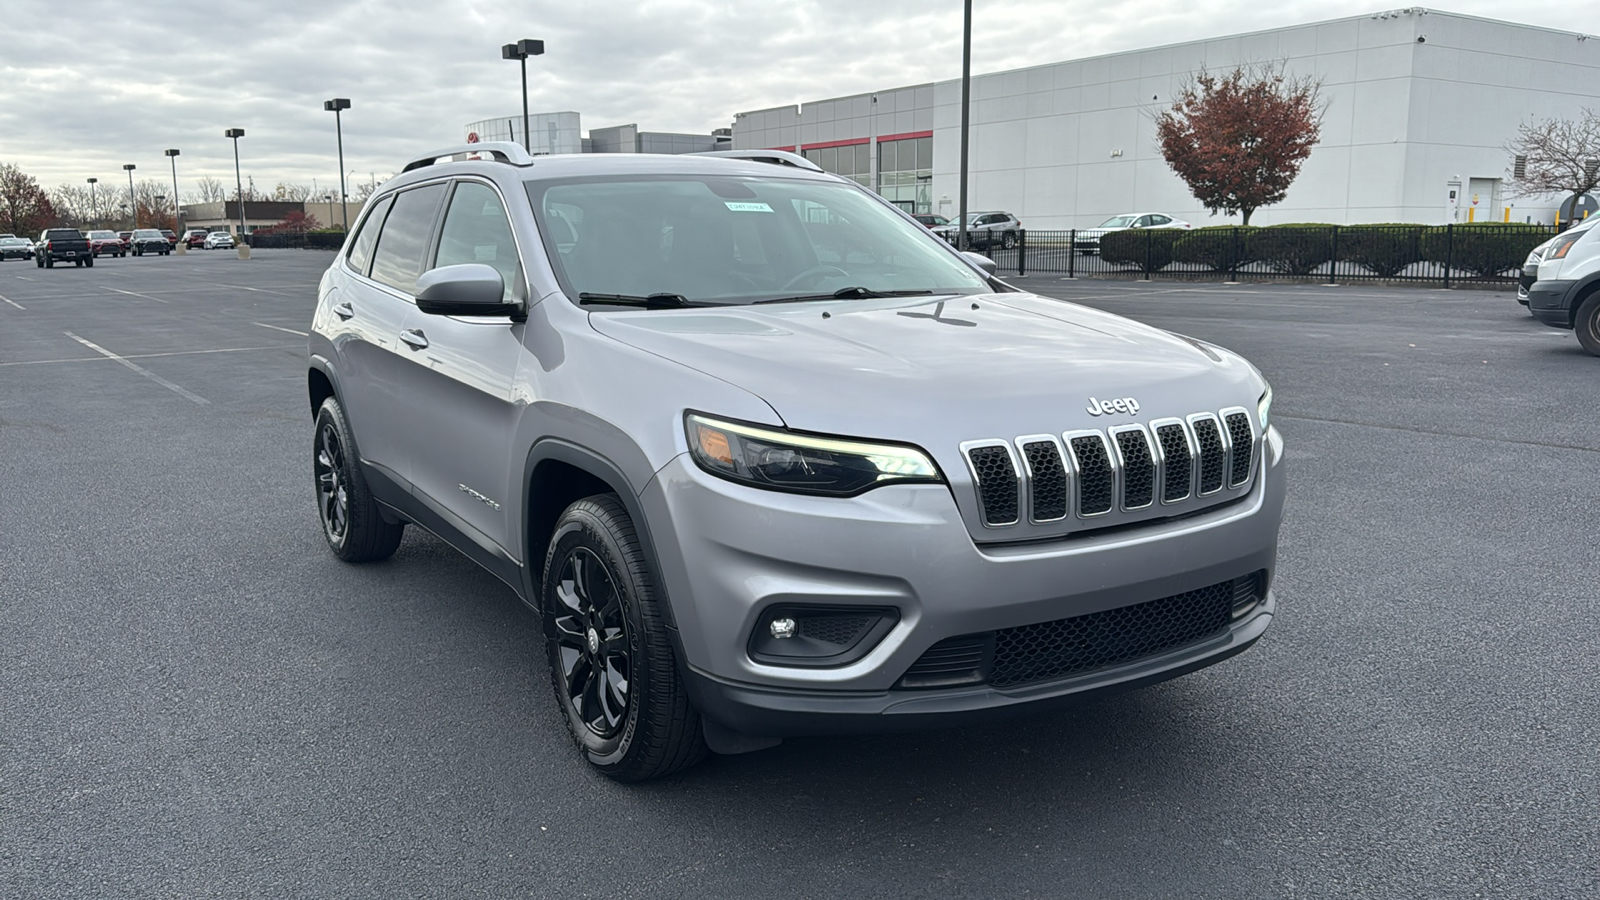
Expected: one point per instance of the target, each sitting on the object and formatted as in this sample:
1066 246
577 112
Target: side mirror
470 289
984 262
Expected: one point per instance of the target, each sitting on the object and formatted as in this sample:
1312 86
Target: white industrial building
562 132
1419 106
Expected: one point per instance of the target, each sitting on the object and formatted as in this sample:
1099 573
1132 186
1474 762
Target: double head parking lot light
335 106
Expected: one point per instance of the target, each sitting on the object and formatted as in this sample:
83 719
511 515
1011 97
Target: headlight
785 461
1264 408
1560 246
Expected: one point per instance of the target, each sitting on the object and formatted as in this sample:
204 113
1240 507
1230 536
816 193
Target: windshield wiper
849 293
653 301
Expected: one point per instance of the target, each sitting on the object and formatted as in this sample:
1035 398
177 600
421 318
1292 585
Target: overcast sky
91 85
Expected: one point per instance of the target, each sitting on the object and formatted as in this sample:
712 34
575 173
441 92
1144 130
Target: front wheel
1587 324
611 659
1009 241
351 523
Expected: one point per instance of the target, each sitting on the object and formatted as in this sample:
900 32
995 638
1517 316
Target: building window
853 162
905 173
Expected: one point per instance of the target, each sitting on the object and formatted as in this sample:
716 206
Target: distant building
1420 104
561 132
224 216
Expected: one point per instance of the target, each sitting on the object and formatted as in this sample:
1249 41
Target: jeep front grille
1046 485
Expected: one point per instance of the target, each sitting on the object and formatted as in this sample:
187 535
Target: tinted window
476 231
1159 220
398 260
367 235
1144 221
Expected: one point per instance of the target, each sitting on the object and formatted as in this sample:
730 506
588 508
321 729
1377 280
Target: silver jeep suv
770 459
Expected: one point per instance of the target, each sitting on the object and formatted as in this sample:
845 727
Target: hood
936 372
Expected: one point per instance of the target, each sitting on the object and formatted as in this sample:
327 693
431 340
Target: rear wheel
611 660
89 263
1009 241
1587 324
49 262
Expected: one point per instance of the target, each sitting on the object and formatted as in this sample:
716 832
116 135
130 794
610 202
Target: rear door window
367 236
404 241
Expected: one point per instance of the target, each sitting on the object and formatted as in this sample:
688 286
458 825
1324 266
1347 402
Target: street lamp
334 106
966 110
93 205
134 204
238 181
520 51
177 216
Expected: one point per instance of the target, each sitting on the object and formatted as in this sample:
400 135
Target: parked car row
71 245
986 230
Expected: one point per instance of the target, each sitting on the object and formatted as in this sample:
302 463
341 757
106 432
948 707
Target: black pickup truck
62 244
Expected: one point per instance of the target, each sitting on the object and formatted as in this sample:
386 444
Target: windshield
147 233
1118 222
726 240
101 235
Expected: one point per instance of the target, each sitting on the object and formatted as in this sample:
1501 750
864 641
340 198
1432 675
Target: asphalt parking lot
198 700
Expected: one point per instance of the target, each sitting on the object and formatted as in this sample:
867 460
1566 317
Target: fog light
793 634
783 628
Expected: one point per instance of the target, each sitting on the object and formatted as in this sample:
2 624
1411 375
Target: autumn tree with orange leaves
1238 140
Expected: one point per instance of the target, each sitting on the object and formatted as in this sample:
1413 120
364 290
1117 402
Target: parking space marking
95 359
141 370
132 293
276 328
13 302
24 278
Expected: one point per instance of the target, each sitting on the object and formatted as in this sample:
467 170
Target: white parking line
276 328
13 302
140 369
96 359
132 294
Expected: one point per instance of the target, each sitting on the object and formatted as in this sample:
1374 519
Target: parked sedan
106 243
1087 240
12 247
149 240
219 240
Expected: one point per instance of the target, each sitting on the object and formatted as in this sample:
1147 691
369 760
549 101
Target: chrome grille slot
1097 479
1213 452
1138 466
1243 447
1177 462
996 475
1047 479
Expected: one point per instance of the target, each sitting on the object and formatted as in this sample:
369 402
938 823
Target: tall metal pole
238 181
966 110
336 105
133 203
527 134
177 214
94 206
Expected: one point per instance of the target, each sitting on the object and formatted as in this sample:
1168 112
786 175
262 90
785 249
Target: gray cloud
84 95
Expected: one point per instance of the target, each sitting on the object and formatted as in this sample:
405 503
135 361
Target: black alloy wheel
1009 241
592 643
351 523
612 662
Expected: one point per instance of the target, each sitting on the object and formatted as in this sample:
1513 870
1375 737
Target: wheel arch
556 474
321 383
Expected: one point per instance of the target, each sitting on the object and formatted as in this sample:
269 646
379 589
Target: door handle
344 311
414 338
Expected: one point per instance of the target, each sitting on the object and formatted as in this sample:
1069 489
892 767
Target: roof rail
497 151
776 157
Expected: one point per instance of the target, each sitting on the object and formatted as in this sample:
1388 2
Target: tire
351 523
603 627
89 263
49 262
1587 324
77 264
1008 241
38 261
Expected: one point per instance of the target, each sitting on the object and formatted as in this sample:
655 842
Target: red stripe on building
826 144
789 149
885 138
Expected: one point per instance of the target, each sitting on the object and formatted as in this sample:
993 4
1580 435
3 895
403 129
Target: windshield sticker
746 206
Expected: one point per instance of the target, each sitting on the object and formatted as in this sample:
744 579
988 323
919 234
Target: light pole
335 106
966 109
238 181
177 215
132 203
93 205
520 51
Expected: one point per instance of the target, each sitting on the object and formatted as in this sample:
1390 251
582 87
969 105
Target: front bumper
1548 301
732 552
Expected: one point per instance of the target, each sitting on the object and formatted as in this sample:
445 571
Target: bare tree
364 189
291 192
74 205
211 190
1555 156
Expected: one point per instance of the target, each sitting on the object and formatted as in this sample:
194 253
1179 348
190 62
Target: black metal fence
316 240
1482 253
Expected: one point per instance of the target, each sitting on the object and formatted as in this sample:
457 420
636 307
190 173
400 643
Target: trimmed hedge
1385 250
1213 246
1485 249
1150 249
1292 249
